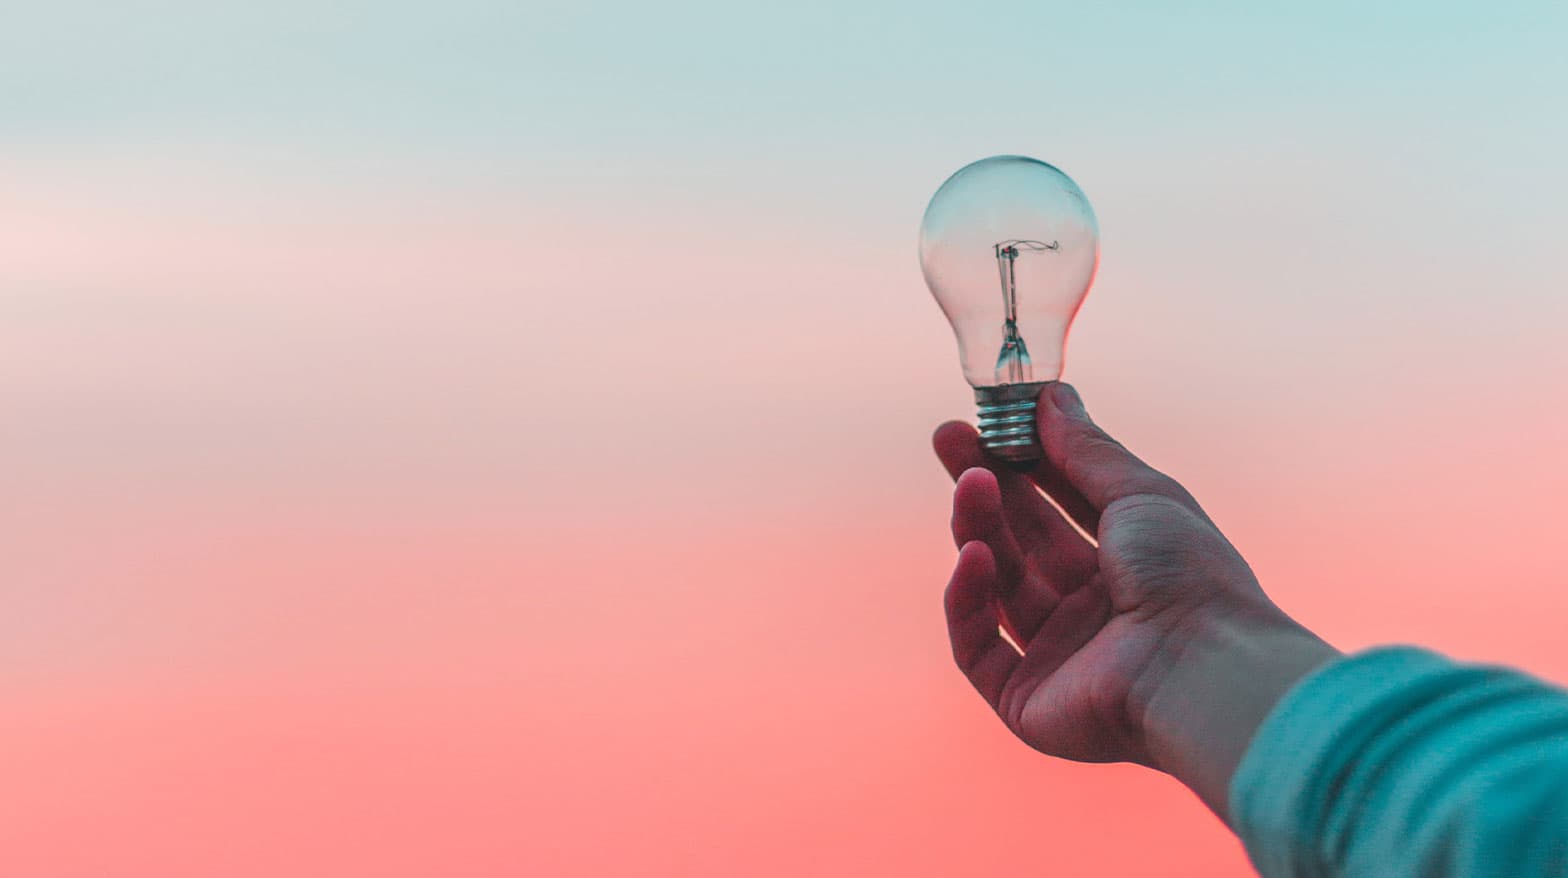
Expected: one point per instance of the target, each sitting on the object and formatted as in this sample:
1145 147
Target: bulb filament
1012 364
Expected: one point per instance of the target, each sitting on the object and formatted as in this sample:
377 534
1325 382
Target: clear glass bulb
1009 247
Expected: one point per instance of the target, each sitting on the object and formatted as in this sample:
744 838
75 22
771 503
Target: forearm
1207 691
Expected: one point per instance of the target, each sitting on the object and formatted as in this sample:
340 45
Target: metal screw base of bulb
1007 422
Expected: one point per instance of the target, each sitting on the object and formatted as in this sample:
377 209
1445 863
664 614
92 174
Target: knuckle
1146 486
1139 502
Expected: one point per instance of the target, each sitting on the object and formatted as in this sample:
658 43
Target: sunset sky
486 438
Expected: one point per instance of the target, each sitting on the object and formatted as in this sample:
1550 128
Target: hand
1113 630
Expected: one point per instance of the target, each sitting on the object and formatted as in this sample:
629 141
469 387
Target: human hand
1122 640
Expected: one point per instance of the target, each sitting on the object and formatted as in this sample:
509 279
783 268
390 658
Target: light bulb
1009 247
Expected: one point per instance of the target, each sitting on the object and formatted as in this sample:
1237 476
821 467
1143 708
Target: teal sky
736 87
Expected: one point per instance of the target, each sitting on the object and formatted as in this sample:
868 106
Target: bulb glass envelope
1009 246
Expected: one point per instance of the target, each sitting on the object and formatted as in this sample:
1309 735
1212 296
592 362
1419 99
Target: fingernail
1066 399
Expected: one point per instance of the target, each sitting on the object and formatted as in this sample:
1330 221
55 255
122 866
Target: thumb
1099 467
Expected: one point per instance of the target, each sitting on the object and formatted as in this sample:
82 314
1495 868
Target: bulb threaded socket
1007 422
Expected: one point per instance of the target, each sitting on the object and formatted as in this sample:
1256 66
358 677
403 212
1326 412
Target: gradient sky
492 438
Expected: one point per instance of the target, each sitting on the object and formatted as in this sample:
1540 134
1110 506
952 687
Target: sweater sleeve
1397 761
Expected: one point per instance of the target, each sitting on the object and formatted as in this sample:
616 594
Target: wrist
1210 685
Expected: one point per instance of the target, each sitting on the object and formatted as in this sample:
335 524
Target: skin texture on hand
1152 642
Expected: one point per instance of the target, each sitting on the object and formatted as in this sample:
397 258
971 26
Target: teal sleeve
1397 762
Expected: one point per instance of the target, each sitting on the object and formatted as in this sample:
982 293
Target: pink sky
346 538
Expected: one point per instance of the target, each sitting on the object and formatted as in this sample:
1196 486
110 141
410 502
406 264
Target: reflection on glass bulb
1029 224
